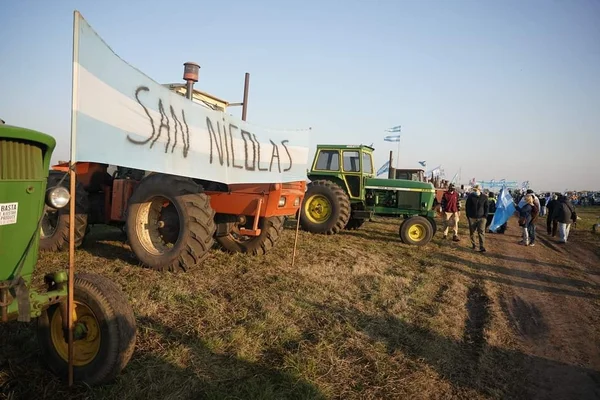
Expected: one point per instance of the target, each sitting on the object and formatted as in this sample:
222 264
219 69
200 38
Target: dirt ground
549 294
360 315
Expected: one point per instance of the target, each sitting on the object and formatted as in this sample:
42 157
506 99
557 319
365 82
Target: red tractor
173 221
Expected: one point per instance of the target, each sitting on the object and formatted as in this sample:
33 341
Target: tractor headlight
296 201
57 197
281 201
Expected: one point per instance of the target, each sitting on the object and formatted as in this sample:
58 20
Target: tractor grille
20 160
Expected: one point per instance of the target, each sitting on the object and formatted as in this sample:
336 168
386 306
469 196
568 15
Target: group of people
477 208
559 212
480 208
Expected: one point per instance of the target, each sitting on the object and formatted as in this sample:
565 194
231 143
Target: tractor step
362 214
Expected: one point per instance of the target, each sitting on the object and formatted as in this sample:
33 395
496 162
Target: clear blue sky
503 89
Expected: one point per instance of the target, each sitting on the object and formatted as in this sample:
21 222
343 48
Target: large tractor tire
325 209
54 232
416 231
170 223
103 336
270 232
433 226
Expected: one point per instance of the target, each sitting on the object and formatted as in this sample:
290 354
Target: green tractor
104 328
344 193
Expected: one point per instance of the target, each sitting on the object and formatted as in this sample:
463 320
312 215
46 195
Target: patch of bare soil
549 294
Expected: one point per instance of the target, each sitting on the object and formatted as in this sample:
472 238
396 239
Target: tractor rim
86 335
158 225
318 209
49 223
416 232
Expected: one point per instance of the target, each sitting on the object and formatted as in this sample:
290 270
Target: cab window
351 161
328 160
367 163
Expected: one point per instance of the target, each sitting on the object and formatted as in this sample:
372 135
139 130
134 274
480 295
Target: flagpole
398 155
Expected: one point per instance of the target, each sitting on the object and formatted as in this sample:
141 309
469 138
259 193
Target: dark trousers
490 217
551 226
531 232
477 224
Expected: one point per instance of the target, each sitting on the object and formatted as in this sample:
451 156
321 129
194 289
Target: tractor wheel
433 225
326 208
54 232
354 223
103 336
170 223
416 231
270 231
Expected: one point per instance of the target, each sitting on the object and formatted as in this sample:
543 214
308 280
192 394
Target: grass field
360 316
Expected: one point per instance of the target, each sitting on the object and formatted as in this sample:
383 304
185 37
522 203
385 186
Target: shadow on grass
519 273
109 243
471 362
369 234
509 258
214 376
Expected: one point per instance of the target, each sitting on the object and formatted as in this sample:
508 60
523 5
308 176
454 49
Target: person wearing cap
536 201
477 208
451 211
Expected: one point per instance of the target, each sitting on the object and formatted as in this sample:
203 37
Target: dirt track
549 294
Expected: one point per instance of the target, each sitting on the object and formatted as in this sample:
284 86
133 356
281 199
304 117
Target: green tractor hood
395 184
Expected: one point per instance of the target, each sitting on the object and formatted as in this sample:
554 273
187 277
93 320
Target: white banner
122 117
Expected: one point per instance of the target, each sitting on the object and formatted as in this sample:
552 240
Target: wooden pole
390 168
72 180
73 177
296 239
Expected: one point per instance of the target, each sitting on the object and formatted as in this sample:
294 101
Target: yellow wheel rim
317 208
86 335
416 232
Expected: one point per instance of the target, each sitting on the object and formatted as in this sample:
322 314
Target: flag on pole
454 177
394 129
384 168
392 138
505 208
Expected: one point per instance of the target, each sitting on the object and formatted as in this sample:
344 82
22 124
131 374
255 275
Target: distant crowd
481 208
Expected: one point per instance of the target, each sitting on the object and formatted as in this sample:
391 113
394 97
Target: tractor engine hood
398 184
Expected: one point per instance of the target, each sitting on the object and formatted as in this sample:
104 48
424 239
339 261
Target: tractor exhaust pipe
191 71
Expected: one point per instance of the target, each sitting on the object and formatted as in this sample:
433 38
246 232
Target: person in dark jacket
564 213
491 209
477 210
551 224
525 217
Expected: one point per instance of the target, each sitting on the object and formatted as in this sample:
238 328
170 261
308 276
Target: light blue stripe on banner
195 165
97 57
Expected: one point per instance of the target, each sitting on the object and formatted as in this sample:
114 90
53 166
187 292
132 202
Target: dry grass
361 315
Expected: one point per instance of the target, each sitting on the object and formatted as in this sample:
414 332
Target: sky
496 89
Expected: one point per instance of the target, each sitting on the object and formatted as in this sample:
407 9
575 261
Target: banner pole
72 180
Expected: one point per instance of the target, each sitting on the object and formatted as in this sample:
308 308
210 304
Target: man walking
451 211
564 213
477 210
551 223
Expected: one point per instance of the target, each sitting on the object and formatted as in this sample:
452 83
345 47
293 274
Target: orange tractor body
260 200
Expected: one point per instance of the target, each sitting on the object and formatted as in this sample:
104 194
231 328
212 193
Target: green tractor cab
104 325
344 193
